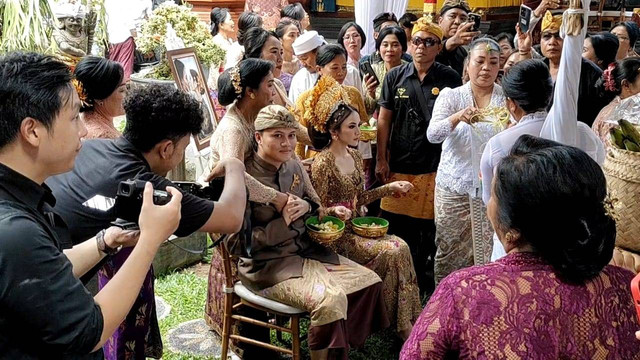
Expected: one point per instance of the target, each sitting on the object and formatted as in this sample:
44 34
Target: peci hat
308 41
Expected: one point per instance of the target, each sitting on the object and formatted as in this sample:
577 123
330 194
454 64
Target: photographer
160 122
45 311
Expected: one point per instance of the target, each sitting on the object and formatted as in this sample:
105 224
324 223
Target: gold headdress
236 80
425 24
324 97
275 116
551 23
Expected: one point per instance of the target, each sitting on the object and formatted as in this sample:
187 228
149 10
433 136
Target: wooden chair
255 301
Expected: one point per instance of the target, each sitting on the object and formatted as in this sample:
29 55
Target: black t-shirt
99 168
454 58
410 152
45 312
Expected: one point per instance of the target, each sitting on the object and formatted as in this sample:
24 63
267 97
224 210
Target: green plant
188 27
26 25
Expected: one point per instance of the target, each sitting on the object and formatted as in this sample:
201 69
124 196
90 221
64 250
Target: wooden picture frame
189 77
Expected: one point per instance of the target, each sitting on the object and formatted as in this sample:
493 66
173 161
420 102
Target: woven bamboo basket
622 170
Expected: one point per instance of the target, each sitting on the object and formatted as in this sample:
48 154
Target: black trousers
420 235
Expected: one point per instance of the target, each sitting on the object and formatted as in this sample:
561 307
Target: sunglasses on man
427 42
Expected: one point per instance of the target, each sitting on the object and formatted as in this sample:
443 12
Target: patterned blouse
516 308
336 188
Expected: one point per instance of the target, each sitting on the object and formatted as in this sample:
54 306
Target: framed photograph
189 77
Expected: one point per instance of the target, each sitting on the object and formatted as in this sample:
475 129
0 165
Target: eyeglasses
427 42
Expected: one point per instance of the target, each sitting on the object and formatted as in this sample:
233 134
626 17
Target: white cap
308 41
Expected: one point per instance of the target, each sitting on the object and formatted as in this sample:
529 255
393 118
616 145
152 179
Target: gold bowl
368 133
359 226
323 237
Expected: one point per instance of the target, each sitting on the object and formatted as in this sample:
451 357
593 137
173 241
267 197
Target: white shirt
500 145
462 147
302 81
353 79
234 55
123 16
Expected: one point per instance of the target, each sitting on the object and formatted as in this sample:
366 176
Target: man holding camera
160 122
458 33
46 311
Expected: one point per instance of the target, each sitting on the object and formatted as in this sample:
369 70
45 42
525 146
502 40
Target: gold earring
252 96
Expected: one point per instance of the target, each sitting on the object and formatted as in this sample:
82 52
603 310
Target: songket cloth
418 202
389 256
124 53
463 233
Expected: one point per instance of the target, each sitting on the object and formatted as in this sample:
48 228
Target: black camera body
130 192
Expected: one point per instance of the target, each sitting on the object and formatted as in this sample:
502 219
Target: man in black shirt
160 122
404 153
45 312
454 21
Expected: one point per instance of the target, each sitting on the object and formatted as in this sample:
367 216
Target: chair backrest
226 263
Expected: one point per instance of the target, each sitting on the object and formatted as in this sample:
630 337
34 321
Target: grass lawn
186 292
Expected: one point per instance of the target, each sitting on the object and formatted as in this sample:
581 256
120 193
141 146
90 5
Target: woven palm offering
622 170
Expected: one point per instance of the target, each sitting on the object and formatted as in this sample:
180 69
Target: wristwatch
102 245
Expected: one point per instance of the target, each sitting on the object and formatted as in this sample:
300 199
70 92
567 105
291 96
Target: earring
252 96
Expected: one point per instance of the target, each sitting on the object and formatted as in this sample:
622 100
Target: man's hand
382 170
463 36
524 41
371 84
115 237
544 6
158 222
223 166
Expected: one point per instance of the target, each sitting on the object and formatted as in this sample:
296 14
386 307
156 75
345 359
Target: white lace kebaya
462 146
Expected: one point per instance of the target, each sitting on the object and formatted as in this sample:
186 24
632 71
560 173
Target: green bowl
367 231
326 238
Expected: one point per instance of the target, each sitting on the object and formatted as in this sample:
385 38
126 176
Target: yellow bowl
368 232
368 134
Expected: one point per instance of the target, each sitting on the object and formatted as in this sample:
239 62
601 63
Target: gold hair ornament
609 204
235 80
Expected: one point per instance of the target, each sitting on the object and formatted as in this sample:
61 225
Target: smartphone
525 18
475 19
367 69
635 292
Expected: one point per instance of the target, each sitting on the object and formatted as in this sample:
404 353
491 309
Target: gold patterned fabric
388 256
425 24
469 234
323 288
551 23
418 202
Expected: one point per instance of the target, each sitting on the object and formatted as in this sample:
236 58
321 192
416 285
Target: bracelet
524 53
102 245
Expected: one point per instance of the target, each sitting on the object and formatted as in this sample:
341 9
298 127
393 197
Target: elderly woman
622 80
287 266
627 33
553 296
352 38
464 119
101 88
338 176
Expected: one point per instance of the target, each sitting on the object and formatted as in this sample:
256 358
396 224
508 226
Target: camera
128 202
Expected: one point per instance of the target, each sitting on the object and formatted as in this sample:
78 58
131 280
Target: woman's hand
295 208
464 115
400 187
341 212
524 41
371 84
